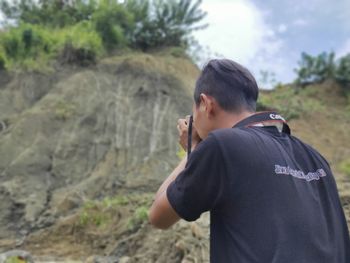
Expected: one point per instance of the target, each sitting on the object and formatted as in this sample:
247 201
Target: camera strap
189 136
265 118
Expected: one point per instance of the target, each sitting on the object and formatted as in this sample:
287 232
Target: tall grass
33 47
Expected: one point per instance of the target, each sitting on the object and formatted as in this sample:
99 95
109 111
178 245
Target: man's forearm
162 215
171 177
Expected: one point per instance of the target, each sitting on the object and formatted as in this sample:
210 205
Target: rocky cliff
87 133
84 149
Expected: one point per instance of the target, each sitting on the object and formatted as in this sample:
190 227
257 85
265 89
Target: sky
270 35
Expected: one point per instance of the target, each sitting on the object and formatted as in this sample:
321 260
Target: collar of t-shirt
266 118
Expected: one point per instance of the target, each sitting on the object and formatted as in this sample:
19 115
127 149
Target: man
271 197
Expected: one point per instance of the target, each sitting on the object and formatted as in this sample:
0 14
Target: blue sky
270 35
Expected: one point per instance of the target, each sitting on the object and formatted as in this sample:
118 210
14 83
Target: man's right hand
182 127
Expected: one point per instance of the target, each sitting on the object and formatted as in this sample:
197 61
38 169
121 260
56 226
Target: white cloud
300 22
238 30
282 28
232 28
344 49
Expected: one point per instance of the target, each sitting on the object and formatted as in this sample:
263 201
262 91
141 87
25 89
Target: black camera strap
265 118
189 137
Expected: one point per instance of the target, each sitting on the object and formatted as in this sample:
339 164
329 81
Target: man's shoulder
219 133
309 148
235 135
219 139
232 140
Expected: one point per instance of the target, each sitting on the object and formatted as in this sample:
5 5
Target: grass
35 48
131 210
101 212
64 111
290 102
344 167
138 218
15 259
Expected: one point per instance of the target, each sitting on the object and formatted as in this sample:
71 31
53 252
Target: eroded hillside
83 150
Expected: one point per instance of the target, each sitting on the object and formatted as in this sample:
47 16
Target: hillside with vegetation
90 92
80 163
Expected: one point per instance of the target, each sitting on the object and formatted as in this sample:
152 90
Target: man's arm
162 215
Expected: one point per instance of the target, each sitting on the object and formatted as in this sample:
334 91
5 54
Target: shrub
2 59
324 66
316 69
101 213
49 13
28 45
78 31
80 44
112 21
343 72
33 46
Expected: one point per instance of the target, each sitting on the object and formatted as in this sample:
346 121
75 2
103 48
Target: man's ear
202 103
207 104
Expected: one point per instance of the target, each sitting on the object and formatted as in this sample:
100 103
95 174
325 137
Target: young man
271 197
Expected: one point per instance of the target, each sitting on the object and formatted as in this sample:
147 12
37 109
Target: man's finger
179 129
182 123
188 119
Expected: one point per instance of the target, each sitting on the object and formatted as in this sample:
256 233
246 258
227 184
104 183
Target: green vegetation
81 31
128 211
181 153
28 44
295 100
140 216
322 67
64 110
101 213
32 46
343 70
290 102
344 167
15 259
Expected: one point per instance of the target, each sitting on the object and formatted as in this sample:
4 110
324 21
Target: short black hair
229 83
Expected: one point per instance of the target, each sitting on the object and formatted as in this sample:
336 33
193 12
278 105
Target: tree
112 22
315 69
53 13
322 67
342 75
162 23
139 24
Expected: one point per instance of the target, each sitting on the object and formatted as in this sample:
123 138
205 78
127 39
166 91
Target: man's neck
228 120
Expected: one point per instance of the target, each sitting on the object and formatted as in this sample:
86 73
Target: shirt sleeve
199 187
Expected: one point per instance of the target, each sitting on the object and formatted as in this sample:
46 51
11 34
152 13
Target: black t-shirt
271 197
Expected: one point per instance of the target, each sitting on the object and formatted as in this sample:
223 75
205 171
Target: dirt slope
83 150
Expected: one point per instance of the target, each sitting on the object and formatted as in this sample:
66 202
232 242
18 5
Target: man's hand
182 127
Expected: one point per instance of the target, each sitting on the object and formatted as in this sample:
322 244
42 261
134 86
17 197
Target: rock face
85 133
72 137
